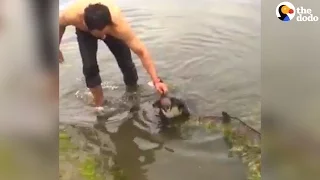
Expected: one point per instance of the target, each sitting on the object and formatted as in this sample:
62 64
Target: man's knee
92 76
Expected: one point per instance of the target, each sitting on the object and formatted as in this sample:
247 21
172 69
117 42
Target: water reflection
127 154
131 135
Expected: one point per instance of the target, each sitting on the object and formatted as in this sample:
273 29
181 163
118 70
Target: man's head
97 17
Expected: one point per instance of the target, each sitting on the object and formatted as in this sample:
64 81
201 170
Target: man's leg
88 46
122 54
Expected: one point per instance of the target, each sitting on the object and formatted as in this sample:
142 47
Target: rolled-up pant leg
122 54
88 45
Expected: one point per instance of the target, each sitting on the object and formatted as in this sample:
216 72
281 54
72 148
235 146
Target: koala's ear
176 101
157 112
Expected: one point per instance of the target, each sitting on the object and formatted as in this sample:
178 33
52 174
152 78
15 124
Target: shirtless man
102 19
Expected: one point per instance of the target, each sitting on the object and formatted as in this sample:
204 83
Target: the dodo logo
285 11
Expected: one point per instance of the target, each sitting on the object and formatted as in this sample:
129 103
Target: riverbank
80 161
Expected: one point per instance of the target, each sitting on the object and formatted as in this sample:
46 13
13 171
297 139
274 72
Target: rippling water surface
209 51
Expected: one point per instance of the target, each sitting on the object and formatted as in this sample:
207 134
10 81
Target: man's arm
63 23
124 32
62 26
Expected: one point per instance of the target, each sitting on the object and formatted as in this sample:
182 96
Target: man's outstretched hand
161 87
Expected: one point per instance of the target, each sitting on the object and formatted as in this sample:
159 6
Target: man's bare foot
94 97
99 110
97 93
88 98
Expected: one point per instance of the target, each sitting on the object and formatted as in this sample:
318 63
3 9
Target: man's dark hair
97 16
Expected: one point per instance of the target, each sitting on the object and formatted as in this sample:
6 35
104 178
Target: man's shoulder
69 13
65 17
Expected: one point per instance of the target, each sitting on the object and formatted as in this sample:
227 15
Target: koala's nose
165 102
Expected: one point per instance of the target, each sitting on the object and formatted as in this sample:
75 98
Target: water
209 51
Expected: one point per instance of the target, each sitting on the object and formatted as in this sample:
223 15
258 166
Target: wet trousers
88 45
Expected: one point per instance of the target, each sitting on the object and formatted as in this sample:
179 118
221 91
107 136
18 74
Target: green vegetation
243 143
78 164
7 162
243 147
74 162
